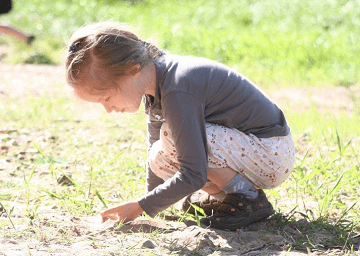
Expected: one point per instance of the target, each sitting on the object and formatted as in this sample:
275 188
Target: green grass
106 157
326 171
272 42
275 43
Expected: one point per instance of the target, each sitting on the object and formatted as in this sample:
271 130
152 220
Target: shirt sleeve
152 181
184 115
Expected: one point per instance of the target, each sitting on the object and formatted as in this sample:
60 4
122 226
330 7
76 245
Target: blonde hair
105 51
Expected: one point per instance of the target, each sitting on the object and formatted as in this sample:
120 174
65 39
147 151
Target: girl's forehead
87 95
96 83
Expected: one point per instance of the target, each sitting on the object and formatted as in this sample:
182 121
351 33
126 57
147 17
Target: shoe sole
257 216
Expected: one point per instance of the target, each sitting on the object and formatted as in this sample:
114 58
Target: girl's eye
107 99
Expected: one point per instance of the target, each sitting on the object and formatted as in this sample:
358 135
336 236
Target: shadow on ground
275 236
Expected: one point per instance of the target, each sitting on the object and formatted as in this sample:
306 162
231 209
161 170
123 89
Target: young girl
209 127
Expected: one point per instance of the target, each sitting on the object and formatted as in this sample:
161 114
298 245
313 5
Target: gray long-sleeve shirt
191 91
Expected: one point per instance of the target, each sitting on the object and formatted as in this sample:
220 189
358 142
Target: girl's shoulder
196 76
184 66
188 60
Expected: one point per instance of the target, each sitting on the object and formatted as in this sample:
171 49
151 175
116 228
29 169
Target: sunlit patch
84 110
120 118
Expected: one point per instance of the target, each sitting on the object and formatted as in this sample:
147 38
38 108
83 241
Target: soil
167 236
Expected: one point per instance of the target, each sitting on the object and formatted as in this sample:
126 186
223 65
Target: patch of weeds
100 198
7 184
32 214
306 234
44 159
38 58
198 214
321 234
31 209
25 234
120 224
96 245
8 213
77 207
51 194
155 233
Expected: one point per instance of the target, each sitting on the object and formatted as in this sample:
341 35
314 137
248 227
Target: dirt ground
144 236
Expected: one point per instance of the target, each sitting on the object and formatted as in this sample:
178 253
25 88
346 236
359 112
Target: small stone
206 243
149 244
302 222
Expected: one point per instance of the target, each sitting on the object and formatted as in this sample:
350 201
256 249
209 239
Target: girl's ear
135 70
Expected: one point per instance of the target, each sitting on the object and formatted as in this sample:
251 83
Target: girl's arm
184 115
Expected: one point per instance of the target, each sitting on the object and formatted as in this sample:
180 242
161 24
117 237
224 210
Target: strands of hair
106 51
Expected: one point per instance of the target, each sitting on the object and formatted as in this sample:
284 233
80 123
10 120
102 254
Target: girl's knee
272 180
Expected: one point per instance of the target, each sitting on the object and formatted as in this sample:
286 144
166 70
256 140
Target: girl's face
125 98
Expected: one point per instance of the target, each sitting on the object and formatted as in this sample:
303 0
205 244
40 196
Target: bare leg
211 188
221 176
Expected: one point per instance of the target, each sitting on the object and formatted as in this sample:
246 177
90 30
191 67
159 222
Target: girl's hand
125 212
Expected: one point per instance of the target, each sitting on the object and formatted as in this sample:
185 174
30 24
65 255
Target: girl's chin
130 110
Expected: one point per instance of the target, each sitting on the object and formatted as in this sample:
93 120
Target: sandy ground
89 237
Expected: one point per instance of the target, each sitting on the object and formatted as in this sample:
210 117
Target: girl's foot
237 211
203 200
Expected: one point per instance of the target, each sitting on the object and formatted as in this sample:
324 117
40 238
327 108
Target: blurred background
273 42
